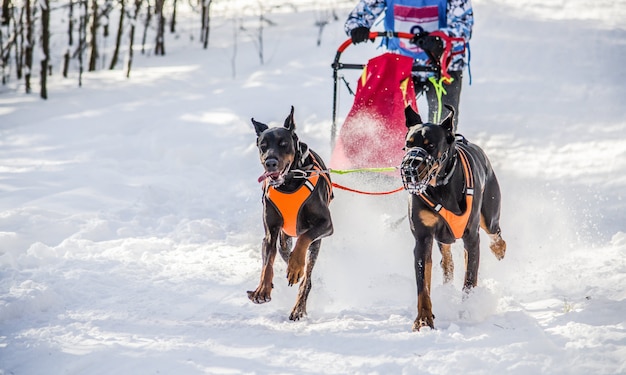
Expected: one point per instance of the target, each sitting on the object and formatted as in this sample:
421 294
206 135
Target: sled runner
372 135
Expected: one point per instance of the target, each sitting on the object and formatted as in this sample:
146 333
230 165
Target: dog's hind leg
490 216
447 263
284 247
471 243
497 244
299 310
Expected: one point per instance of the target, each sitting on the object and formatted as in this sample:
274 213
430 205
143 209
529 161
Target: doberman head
279 149
430 147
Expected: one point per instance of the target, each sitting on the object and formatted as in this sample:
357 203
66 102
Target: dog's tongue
264 176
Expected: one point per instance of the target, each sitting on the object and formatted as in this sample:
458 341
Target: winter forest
37 37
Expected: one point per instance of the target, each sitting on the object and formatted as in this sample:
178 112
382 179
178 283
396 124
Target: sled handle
373 35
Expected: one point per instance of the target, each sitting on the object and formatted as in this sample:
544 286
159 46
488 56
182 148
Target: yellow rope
440 91
378 170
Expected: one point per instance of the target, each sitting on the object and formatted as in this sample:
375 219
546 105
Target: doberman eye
429 147
282 144
263 147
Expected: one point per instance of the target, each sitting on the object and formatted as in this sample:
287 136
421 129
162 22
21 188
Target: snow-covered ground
130 214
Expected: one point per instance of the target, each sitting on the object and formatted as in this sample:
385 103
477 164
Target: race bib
415 20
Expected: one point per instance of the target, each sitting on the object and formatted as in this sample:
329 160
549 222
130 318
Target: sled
373 133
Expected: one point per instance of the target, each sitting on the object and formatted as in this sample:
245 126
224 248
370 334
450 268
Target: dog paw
425 318
295 270
297 314
258 296
294 276
424 321
498 247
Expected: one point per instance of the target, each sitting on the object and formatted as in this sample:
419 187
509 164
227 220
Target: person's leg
452 97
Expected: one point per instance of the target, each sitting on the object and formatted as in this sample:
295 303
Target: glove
360 34
433 45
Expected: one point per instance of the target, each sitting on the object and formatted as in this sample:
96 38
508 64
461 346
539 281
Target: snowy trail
130 219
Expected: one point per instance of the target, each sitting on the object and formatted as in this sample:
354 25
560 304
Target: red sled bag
373 134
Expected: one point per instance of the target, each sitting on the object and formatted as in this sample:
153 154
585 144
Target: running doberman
454 192
296 195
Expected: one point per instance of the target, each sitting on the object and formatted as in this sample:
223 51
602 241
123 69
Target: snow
130 214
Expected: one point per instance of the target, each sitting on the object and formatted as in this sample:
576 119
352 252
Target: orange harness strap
457 223
289 204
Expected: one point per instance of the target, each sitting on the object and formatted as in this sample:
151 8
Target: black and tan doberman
296 194
454 192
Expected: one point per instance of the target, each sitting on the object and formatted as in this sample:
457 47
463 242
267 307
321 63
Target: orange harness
289 204
457 223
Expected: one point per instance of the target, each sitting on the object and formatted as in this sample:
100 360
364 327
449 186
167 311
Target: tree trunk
82 40
206 22
145 28
70 39
28 50
132 37
93 29
45 46
19 46
118 38
173 19
6 13
159 46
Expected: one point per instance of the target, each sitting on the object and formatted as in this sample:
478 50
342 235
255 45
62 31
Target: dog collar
456 223
447 175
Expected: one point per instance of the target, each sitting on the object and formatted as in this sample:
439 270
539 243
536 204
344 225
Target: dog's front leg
263 292
423 269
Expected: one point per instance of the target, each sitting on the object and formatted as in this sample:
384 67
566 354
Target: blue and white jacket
454 17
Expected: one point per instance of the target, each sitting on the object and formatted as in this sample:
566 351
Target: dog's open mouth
275 178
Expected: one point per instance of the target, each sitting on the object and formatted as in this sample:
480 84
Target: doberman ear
290 124
448 124
412 117
259 127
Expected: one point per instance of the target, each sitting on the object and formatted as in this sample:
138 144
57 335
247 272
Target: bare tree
45 46
118 38
206 22
257 35
159 46
20 50
70 38
9 41
323 18
93 30
173 19
30 43
131 39
145 27
82 39
5 17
